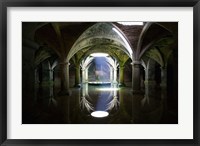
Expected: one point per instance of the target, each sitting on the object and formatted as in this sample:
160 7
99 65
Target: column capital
83 68
137 62
115 69
77 67
122 66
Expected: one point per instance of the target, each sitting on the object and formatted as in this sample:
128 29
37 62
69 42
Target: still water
100 104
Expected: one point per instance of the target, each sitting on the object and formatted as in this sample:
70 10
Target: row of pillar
136 80
149 82
64 70
47 76
113 75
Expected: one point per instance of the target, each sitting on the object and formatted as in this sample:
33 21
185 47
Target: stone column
29 48
136 77
51 91
47 73
67 77
83 75
86 74
111 74
163 83
51 74
115 75
36 76
121 76
64 68
115 91
150 83
150 90
142 82
77 76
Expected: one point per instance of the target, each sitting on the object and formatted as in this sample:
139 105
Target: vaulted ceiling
59 40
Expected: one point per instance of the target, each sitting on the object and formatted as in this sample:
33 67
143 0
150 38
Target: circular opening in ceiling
99 114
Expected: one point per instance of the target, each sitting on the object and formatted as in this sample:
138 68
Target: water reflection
123 107
99 98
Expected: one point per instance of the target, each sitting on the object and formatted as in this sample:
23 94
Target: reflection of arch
89 101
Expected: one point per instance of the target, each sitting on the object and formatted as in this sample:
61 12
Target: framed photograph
99 72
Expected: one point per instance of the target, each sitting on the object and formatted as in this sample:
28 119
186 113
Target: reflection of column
85 90
77 76
64 68
121 76
51 90
115 91
68 111
52 102
136 77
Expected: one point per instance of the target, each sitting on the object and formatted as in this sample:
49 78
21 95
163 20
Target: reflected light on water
108 89
99 114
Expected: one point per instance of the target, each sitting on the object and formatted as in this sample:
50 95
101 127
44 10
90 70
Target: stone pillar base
114 82
121 85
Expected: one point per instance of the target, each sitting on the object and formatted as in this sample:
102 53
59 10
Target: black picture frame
94 3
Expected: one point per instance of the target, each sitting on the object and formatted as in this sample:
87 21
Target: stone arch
100 34
109 61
